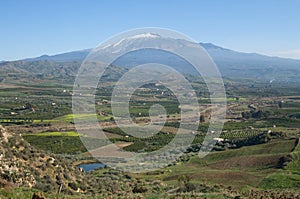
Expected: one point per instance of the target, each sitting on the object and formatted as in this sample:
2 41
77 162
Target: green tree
202 118
280 104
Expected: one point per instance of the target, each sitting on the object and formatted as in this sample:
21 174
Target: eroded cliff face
4 135
23 165
12 170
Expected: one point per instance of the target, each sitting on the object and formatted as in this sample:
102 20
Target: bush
139 189
25 157
66 176
45 187
42 155
73 185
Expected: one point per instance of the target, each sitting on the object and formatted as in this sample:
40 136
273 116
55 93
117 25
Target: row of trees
255 114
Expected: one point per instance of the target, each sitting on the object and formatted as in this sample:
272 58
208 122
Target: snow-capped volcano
147 47
145 40
136 38
231 63
145 35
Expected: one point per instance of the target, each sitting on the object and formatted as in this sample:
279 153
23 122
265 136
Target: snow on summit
145 35
138 36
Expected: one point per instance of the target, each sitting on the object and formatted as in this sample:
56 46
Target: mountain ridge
80 55
230 63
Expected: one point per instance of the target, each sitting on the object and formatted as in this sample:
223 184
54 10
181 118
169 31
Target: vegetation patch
62 142
289 176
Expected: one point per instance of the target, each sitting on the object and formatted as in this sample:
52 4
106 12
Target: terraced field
246 166
289 175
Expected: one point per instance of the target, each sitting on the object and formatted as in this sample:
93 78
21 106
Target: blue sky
35 27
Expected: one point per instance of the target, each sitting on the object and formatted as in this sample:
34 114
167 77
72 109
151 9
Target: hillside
25 166
230 63
25 170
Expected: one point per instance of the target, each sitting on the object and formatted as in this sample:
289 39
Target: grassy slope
246 166
289 176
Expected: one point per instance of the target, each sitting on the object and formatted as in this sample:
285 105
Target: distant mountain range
64 57
230 63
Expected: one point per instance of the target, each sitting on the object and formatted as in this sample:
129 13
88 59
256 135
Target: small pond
91 166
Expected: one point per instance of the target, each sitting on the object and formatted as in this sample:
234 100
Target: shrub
73 185
139 189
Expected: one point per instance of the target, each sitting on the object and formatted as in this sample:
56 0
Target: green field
246 166
81 117
288 176
68 134
62 142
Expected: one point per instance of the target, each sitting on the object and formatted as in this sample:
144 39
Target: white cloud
294 54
